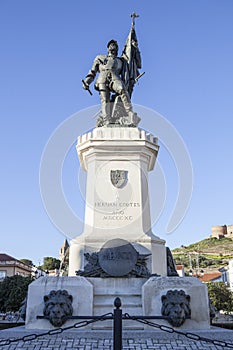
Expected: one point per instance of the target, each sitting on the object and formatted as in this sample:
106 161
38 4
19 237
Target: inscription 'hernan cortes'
118 204
118 213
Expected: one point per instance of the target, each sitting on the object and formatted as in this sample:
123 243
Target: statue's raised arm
116 79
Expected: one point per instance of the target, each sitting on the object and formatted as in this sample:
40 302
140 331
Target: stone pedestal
117 161
80 289
155 287
139 296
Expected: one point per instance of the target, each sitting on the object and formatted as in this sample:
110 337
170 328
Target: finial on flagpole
133 16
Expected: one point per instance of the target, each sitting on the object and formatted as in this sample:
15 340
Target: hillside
209 245
208 253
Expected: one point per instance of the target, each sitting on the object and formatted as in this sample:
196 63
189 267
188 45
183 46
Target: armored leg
120 89
132 119
105 105
126 101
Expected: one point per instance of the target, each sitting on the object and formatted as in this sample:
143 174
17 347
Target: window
2 274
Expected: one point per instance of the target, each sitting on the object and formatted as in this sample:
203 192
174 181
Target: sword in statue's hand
138 77
86 87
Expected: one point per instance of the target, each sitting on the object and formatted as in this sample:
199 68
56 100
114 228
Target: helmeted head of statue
112 47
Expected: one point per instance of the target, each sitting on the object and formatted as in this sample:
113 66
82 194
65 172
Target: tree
13 290
50 263
221 296
27 262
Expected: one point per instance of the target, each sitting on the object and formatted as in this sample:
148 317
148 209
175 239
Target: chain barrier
77 325
169 329
126 316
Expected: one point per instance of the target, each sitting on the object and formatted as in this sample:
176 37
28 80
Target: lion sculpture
176 305
58 305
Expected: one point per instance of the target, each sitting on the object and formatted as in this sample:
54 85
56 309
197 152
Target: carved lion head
58 305
176 305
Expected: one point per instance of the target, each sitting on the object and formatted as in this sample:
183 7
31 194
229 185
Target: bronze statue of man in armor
117 76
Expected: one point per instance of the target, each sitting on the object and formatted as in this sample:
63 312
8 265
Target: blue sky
47 47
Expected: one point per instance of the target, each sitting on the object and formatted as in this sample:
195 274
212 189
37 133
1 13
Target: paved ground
132 340
105 344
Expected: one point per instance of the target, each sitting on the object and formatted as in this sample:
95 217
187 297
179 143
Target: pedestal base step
105 292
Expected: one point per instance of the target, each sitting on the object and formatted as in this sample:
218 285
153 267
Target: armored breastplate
112 64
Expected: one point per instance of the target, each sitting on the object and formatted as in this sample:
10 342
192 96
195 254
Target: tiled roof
179 267
208 277
6 257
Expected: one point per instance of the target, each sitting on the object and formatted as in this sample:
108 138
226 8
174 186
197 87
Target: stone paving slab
132 340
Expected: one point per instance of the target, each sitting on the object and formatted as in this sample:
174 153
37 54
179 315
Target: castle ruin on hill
222 231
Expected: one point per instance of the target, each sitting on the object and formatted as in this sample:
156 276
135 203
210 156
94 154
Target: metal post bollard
117 325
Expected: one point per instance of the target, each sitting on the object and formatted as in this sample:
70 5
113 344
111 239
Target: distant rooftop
179 267
208 277
6 257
